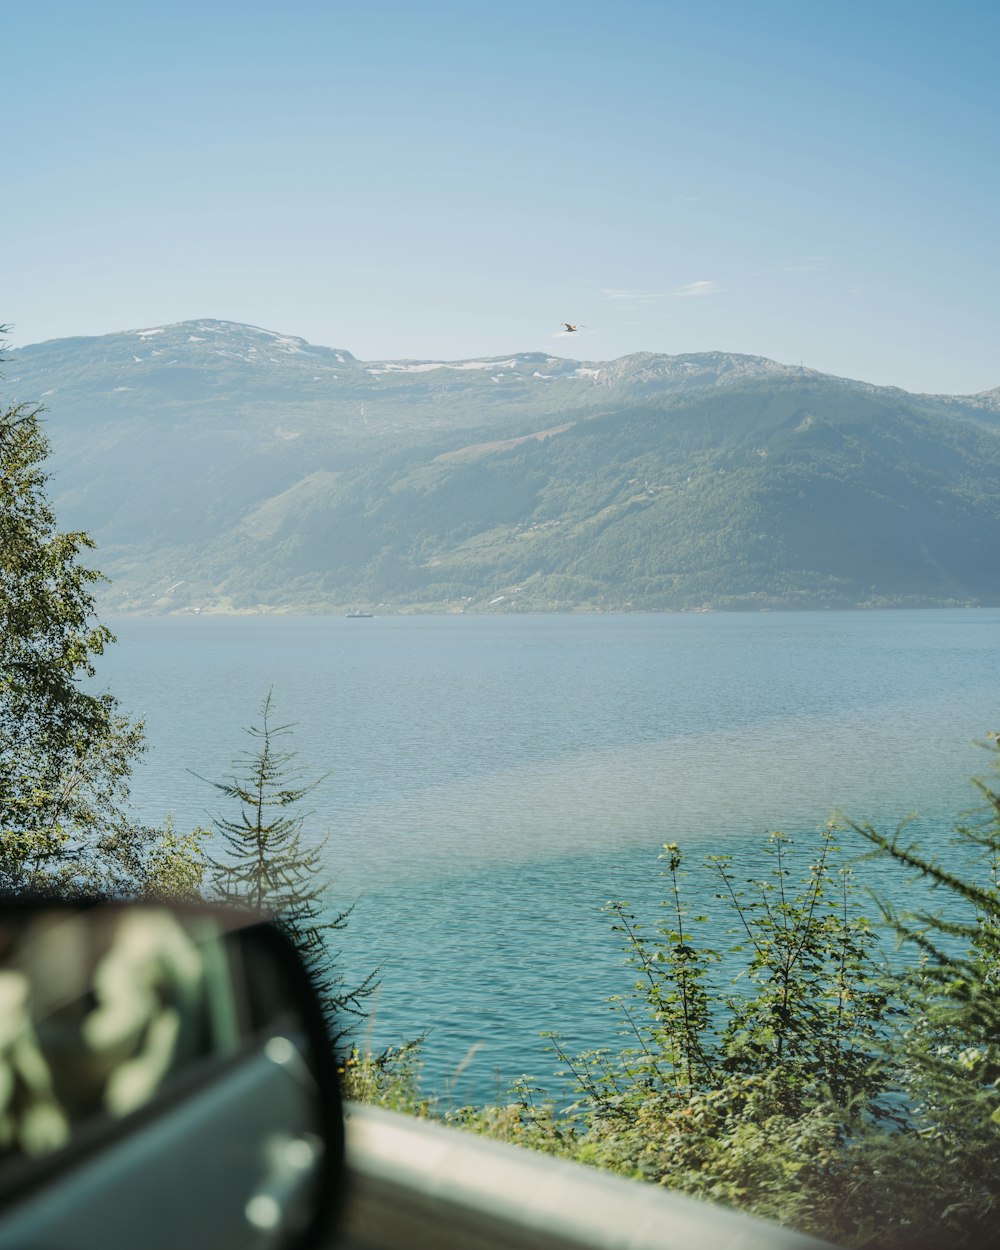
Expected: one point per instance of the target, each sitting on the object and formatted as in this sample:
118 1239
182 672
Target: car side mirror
166 1080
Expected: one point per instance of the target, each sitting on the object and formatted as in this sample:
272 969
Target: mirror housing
166 1079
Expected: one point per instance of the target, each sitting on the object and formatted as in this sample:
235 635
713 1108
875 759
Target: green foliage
174 864
949 1048
750 1087
737 1143
50 729
270 868
816 1010
750 1075
66 753
811 1087
389 1079
804 1010
528 1119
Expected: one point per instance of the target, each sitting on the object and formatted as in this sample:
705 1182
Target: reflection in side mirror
165 1080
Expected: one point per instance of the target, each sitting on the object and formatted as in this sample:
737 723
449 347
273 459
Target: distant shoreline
317 610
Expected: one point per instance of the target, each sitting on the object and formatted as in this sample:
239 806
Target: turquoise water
491 781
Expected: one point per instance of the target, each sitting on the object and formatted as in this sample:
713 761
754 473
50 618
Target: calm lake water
490 782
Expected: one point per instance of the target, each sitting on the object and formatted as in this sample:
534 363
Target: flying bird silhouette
570 329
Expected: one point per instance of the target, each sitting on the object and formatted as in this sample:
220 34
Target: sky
811 181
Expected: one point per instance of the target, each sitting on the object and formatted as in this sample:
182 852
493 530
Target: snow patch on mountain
391 366
428 366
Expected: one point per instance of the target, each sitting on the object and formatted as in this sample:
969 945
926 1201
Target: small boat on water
360 616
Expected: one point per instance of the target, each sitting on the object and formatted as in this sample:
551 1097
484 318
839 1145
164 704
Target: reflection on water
493 780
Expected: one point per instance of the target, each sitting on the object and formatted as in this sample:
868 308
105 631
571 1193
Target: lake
488 783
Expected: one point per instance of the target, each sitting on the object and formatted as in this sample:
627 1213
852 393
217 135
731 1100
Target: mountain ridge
255 470
741 364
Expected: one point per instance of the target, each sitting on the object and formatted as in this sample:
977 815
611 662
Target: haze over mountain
222 466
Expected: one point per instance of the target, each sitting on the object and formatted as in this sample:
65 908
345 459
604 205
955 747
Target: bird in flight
570 329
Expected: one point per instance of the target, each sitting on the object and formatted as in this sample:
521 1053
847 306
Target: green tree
270 867
66 752
945 1166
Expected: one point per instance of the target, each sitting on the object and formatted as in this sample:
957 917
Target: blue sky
809 181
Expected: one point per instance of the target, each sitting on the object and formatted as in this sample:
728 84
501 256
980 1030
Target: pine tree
272 869
949 1051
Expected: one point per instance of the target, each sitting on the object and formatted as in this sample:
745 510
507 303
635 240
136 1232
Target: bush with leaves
806 1008
390 1079
745 1086
814 1087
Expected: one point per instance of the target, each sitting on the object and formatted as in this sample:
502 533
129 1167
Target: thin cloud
811 264
688 199
698 288
627 296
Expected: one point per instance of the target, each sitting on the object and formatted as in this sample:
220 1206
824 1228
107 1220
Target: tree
948 1162
272 870
66 752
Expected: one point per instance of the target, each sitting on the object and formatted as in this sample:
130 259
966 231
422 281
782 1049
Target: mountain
225 466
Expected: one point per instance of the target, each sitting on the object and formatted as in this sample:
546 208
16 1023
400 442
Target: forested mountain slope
240 468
